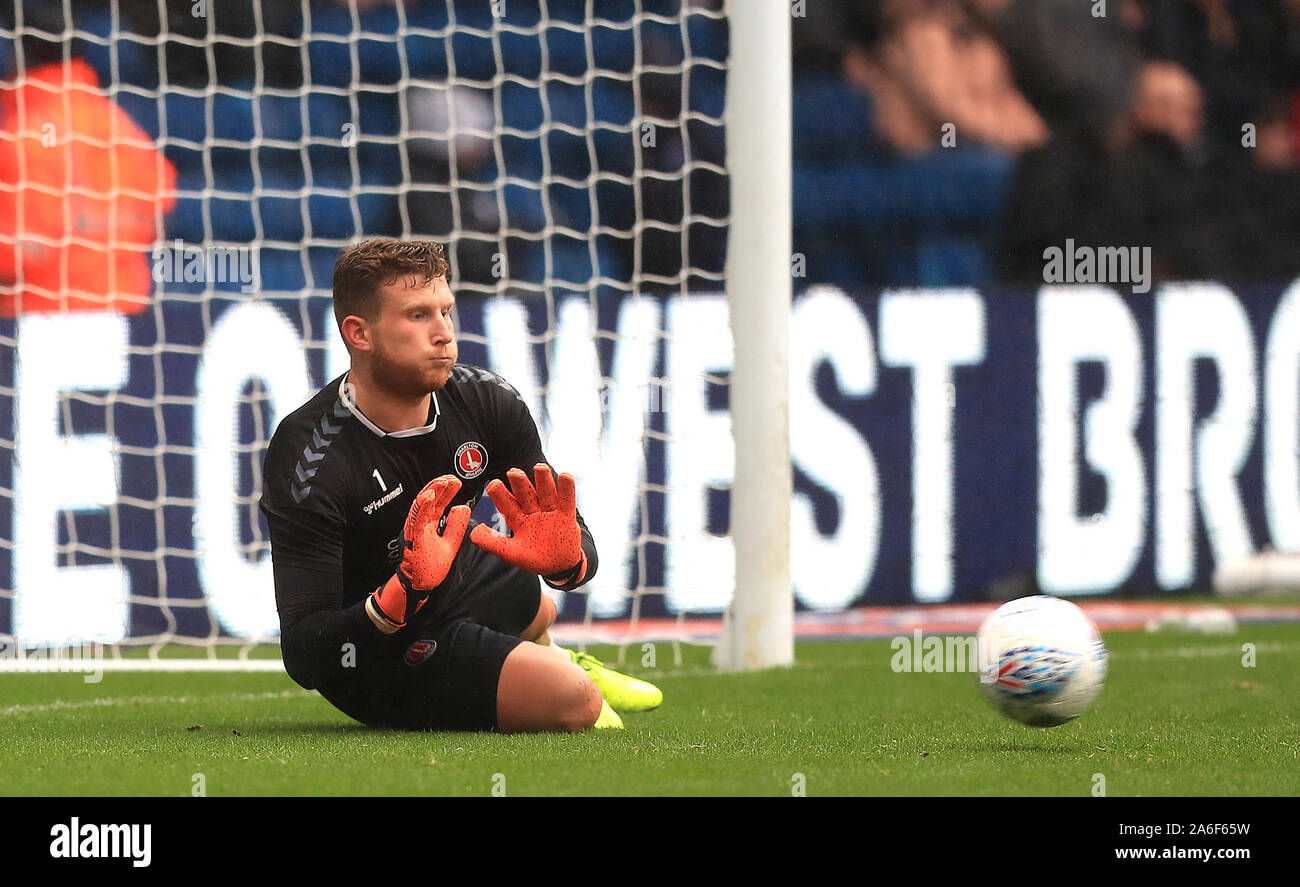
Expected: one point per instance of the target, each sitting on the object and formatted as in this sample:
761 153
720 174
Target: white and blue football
1043 660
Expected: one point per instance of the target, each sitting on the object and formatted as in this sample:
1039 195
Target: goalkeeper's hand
426 555
546 537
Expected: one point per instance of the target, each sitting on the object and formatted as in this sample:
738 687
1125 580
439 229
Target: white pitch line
114 701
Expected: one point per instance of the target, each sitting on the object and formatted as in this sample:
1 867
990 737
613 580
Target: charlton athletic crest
471 460
420 651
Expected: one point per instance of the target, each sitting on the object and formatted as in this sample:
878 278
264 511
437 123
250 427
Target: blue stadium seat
570 207
327 114
614 151
431 16
185 117
379 60
185 221
381 18
137 63
522 156
567 103
524 208
566 49
665 8
616 203
380 163
706 37
191 174
98 22
830 119
330 61
708 91
528 262
521 107
281 117
378 114
321 263
569 155
837 261
141 109
281 168
378 213
474 56
661 42
281 212
875 194
282 270
571 11
330 17
282 218
612 101
232 219
232 169
330 166
426 56
571 259
612 49
521 54
523 13
331 217
943 261
232 117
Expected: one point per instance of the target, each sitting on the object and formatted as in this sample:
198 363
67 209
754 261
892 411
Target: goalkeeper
392 604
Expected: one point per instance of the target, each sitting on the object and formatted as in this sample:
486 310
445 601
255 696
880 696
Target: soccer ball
1043 661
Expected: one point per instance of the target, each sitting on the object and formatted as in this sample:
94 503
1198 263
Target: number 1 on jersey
383 487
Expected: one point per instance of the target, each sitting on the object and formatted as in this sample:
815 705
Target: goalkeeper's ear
356 333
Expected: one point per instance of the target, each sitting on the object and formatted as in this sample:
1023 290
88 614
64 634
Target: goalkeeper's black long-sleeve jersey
337 490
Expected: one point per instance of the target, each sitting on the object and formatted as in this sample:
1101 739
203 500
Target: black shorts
441 671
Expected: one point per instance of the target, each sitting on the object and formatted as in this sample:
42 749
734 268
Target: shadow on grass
349 728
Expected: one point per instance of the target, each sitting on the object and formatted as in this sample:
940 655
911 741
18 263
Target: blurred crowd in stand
981 132
936 142
553 147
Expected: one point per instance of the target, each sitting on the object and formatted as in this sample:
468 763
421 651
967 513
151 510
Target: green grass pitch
1180 715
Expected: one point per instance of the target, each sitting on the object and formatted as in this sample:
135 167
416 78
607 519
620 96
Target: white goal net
178 178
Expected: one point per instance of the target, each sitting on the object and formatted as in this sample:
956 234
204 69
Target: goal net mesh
182 176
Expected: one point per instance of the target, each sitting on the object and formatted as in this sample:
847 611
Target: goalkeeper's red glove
426 555
546 537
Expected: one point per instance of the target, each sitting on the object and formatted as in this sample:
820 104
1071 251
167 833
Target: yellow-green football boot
609 719
623 693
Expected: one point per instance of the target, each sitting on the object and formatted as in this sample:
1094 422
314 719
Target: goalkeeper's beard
406 382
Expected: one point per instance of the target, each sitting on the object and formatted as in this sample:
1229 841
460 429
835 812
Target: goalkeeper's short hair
361 269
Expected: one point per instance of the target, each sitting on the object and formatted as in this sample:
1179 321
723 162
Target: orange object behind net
82 193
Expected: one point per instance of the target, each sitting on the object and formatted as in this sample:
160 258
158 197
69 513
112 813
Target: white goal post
758 630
